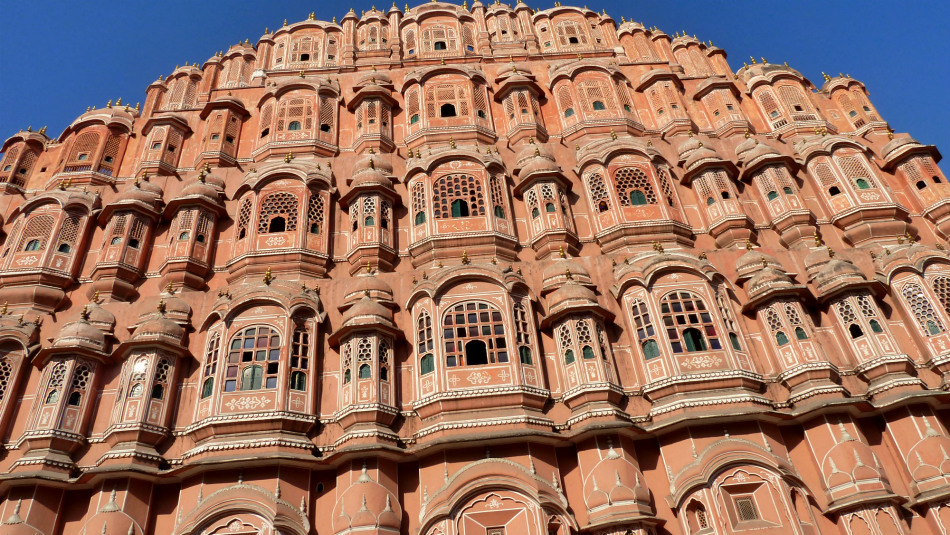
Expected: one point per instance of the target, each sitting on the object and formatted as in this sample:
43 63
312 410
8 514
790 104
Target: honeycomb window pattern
253 360
451 188
634 187
922 310
278 205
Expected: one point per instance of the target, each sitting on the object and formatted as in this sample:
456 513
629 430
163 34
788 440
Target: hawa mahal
486 270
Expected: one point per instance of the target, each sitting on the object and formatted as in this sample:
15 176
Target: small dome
688 147
81 334
898 143
175 308
572 295
99 317
373 161
556 274
159 326
929 459
366 504
377 78
753 261
140 194
366 178
700 155
751 150
617 483
368 283
202 190
366 311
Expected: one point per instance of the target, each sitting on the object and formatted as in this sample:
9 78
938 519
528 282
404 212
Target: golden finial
747 133
825 76
268 277
285 22
169 288
831 253
109 104
464 257
301 73
312 16
764 61
451 142
161 306
266 30
702 255
613 135
442 61
440 264
623 20
88 108
753 60
567 273
494 261
519 270
371 164
118 102
580 56
748 244
657 246
537 151
289 157
465 4
84 313
137 107
5 309
425 276
765 262
560 252
410 152
62 185
407 8
95 297
334 20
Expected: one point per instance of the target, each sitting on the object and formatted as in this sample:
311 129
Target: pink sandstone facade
475 271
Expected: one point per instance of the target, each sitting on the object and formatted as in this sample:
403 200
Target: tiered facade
475 271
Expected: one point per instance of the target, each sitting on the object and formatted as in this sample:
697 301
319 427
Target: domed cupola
370 202
616 489
367 506
21 152
193 218
368 284
373 105
850 469
562 270
544 188
83 334
130 221
712 179
366 339
519 94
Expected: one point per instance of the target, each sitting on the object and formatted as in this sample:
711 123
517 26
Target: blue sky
60 57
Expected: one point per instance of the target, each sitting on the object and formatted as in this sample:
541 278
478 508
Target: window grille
458 187
474 334
923 311
630 180
279 204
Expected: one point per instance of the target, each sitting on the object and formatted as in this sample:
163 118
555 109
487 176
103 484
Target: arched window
472 322
251 378
522 334
210 364
295 114
447 110
33 245
598 105
299 358
365 371
569 356
800 333
920 306
781 338
426 364
278 213
253 347
452 188
688 323
650 349
294 125
459 208
855 330
598 192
